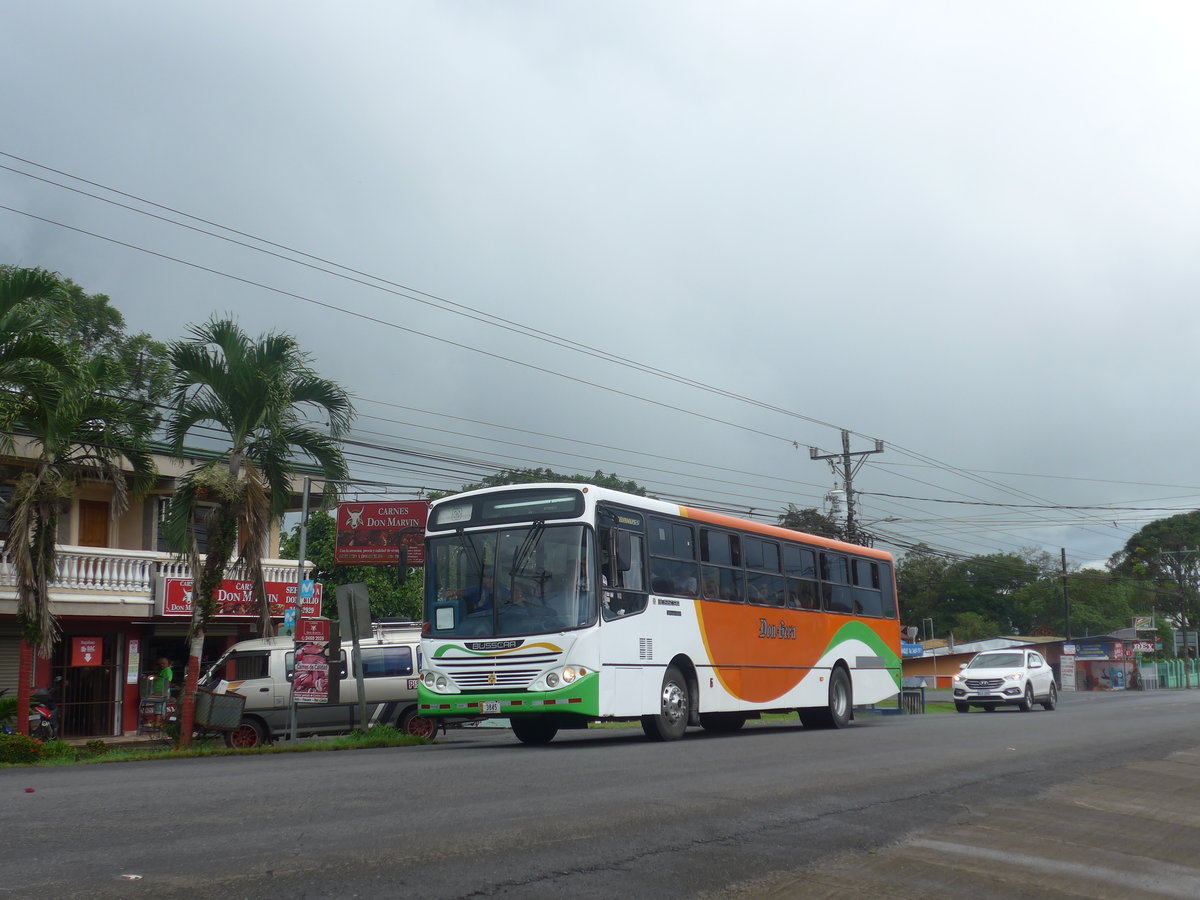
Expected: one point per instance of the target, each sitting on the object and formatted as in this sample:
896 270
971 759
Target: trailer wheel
248 735
417 725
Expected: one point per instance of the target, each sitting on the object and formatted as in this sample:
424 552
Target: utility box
219 712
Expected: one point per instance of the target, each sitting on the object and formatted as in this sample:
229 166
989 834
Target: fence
1178 673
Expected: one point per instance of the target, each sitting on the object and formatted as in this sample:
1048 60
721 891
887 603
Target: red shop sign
236 598
87 651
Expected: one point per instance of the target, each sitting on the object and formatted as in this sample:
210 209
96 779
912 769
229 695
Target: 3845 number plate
490 706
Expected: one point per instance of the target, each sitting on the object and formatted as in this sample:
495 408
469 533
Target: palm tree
81 430
258 394
28 348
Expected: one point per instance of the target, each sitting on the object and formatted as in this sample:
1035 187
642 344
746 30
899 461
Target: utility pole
846 471
1066 598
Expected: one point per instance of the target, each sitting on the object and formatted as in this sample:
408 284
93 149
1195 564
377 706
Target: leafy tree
390 597
919 577
30 354
810 521
970 626
987 585
92 323
81 429
1164 558
1099 603
255 392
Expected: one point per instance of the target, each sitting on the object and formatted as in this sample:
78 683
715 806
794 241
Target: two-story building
122 601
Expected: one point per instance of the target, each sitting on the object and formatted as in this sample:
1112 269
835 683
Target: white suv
1014 677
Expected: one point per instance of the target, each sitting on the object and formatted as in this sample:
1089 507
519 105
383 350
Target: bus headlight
560 677
435 681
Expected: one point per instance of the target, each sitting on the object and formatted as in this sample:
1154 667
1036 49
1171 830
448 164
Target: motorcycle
43 723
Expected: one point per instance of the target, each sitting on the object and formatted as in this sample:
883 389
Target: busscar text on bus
556 605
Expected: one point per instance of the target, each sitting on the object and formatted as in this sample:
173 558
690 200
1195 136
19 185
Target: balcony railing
104 571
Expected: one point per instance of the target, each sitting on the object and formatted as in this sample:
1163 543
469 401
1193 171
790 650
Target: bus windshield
512 581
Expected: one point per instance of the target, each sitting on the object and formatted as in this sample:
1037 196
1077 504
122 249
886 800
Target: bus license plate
491 706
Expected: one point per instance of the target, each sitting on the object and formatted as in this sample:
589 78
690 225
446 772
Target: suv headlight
1014 676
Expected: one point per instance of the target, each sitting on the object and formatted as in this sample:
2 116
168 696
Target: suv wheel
1026 703
1051 700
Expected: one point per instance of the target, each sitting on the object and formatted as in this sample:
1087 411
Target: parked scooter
43 723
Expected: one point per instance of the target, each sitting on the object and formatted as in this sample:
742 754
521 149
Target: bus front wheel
672 719
540 730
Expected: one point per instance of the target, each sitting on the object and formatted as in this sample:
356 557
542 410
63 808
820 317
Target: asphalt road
1094 799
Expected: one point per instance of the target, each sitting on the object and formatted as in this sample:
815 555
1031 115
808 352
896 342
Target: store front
98 665
1109 663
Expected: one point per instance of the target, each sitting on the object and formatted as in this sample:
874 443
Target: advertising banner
234 598
311 681
1067 673
371 534
1091 650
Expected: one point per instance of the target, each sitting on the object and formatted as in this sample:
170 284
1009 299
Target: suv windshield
514 581
997 661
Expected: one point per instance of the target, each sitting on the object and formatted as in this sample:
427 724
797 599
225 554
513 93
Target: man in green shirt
160 686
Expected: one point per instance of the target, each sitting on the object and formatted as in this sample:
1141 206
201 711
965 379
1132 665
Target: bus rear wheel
540 730
839 711
722 722
675 707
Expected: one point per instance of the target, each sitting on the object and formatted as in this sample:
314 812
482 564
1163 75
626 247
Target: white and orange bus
556 605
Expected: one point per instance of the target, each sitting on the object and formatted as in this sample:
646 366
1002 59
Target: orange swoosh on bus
761 653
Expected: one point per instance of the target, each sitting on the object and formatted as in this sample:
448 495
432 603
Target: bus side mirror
624 551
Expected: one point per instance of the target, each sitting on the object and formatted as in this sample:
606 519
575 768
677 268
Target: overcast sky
967 230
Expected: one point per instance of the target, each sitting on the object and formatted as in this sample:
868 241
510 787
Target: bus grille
501 673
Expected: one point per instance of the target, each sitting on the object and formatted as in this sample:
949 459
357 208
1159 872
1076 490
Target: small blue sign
306 589
910 651
289 617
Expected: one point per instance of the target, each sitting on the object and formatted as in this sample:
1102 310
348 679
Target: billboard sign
235 599
371 534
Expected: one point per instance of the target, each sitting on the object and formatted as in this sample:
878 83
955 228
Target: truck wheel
248 735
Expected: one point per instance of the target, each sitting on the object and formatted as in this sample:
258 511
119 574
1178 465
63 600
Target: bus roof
652 504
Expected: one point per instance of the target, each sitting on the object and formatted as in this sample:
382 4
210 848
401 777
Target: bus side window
868 601
886 593
672 558
835 583
722 573
623 589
